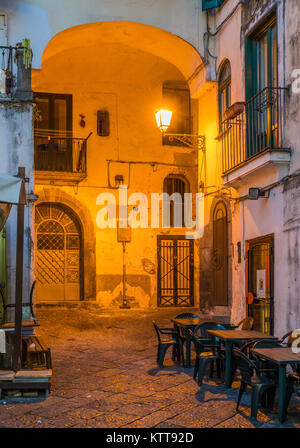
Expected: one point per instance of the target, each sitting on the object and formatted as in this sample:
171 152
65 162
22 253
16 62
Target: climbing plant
27 55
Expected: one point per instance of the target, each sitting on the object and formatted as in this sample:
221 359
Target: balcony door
261 88
53 132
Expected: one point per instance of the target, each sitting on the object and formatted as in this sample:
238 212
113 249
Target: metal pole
19 290
17 354
125 303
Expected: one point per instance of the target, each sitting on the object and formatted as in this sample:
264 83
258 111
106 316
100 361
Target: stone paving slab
105 376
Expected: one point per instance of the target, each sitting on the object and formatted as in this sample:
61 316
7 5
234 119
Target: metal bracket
194 141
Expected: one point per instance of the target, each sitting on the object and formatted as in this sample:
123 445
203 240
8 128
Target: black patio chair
180 331
257 379
293 386
245 324
168 337
287 340
187 316
259 343
208 350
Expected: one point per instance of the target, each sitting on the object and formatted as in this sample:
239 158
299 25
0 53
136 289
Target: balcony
253 138
59 157
15 73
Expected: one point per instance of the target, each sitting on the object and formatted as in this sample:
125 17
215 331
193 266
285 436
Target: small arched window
173 209
224 89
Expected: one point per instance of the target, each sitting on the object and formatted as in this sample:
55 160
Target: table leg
228 355
188 350
282 393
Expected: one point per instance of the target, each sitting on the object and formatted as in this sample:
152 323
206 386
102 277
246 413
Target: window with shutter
103 123
208 4
176 97
3 30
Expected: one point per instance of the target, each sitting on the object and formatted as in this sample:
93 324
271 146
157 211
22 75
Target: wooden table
236 336
190 324
281 357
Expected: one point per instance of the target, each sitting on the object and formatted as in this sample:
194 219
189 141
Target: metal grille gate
58 253
175 283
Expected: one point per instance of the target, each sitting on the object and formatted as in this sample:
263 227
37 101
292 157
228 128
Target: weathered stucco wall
16 150
40 20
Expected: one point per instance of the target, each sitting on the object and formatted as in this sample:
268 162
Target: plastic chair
246 324
253 376
180 330
293 386
259 343
187 316
167 337
207 351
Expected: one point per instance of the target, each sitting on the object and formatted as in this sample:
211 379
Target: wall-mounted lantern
256 193
163 119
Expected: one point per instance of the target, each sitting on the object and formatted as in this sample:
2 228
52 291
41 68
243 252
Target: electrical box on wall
103 123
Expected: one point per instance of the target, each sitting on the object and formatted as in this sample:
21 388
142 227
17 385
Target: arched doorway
58 253
220 255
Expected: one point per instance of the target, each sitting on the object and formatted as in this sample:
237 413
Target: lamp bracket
194 141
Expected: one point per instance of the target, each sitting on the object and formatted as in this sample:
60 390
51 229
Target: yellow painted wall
128 83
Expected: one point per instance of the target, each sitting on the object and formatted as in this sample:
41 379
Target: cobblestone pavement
105 376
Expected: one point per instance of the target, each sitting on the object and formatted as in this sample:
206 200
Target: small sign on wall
123 233
261 283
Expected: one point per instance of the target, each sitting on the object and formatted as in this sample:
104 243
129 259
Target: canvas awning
12 190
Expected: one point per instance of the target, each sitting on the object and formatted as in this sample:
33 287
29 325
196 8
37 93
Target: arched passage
146 38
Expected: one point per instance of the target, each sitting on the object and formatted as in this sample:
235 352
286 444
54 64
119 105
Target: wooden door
220 256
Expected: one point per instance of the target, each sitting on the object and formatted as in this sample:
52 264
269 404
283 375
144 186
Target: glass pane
263 63
274 57
60 115
42 114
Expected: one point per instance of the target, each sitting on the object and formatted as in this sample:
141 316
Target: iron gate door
260 283
58 253
175 282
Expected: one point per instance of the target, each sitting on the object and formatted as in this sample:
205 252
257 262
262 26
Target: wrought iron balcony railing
59 151
257 128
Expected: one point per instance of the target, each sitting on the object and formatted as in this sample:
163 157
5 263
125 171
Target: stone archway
87 232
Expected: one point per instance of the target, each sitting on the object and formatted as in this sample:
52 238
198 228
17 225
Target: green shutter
208 4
